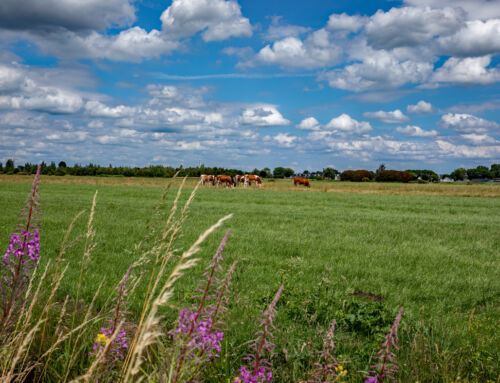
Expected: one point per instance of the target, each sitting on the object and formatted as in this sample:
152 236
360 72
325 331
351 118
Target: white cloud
416 131
263 115
309 123
98 109
474 9
408 26
467 71
345 22
11 79
478 139
379 70
218 19
43 99
284 139
345 124
396 116
477 38
315 51
420 107
467 123
278 29
460 151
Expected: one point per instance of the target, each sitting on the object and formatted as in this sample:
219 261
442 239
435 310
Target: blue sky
348 84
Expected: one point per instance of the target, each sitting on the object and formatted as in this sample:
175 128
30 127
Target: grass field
424 247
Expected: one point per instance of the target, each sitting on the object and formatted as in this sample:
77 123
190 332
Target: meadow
352 252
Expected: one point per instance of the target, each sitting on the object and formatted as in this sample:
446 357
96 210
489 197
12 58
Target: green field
437 256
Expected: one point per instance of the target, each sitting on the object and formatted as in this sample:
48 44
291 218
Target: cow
249 178
207 179
301 181
238 179
224 179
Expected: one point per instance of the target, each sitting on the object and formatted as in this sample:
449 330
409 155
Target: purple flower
386 359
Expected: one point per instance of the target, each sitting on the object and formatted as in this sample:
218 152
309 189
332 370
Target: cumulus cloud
478 139
463 151
24 93
420 108
474 9
315 51
218 19
409 26
69 14
98 109
309 123
345 124
10 78
477 38
470 70
284 139
467 123
278 29
263 115
345 22
416 131
394 117
379 70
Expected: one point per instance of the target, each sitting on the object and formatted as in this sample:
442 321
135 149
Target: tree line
381 174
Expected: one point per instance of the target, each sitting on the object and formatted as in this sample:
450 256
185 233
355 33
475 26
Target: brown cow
224 179
238 179
207 179
249 178
301 181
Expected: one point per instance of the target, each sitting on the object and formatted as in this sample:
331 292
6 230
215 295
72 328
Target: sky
349 84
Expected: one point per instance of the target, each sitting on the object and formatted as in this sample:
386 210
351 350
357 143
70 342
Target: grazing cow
301 181
224 179
207 179
249 178
238 179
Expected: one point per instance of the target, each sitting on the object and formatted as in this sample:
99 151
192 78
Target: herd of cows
246 180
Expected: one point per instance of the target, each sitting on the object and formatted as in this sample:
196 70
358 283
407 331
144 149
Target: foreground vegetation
356 258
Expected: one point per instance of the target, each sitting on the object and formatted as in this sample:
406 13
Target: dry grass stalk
148 333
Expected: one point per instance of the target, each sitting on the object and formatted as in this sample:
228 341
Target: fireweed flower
328 369
386 359
197 336
21 256
260 370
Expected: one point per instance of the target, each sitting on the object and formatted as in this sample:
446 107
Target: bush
393 176
355 175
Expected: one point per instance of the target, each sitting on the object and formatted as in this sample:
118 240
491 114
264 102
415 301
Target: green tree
9 165
265 173
495 170
62 164
458 174
330 173
479 172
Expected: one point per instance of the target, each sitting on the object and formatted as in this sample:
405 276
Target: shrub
393 176
355 175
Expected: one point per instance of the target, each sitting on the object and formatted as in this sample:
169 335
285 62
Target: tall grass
50 337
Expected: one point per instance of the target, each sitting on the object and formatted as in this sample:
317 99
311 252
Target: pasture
346 251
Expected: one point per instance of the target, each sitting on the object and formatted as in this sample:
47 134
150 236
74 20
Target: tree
330 173
495 170
458 174
1 167
281 172
9 165
62 164
381 168
479 172
265 173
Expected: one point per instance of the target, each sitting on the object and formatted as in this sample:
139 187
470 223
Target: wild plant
328 369
19 260
198 334
385 366
259 366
